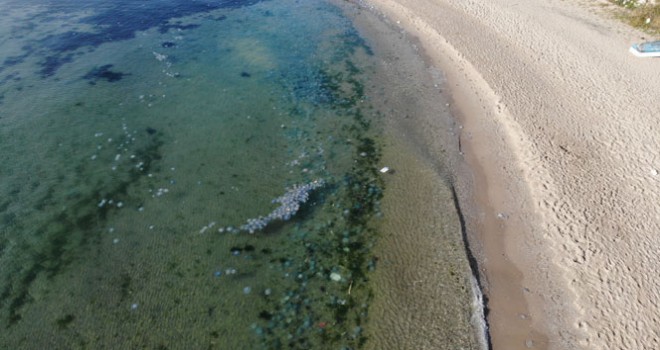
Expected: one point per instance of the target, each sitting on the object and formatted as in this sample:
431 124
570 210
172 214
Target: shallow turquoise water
135 141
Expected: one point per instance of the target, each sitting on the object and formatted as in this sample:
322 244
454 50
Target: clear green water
133 135
139 141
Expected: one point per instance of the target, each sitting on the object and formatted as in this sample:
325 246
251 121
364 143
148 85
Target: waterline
208 180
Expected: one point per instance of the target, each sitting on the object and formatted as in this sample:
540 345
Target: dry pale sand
560 129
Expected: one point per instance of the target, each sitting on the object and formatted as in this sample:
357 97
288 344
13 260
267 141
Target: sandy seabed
560 132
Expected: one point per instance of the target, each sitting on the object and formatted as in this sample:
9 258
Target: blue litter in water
217 273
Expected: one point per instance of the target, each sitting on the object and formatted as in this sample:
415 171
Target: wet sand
560 180
425 296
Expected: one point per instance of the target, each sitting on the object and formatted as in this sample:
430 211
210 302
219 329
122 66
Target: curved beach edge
560 179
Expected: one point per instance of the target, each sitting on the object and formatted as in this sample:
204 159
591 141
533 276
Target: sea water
186 174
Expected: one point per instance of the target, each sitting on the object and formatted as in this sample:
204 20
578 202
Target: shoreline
508 311
559 210
427 296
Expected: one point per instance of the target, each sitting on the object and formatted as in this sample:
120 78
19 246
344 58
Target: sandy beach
560 183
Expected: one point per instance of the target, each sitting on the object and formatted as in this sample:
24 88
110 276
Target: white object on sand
647 49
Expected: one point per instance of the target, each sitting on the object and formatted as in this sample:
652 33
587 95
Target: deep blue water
111 21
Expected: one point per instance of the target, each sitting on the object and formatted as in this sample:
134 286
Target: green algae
70 231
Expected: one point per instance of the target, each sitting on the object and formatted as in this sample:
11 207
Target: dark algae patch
51 64
69 232
103 73
65 321
117 21
328 306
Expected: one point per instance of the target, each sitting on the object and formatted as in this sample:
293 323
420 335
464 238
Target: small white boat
648 49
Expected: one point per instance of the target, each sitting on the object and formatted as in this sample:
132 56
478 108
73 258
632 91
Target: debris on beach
647 49
386 170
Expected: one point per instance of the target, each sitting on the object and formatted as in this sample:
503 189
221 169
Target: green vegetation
645 16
